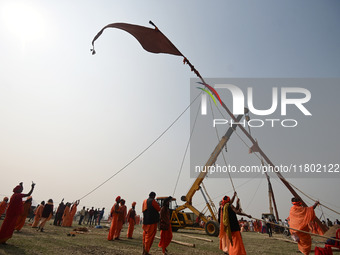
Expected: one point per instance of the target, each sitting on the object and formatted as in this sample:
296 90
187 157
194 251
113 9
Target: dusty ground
56 241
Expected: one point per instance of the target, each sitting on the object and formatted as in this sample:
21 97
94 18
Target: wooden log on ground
199 238
181 243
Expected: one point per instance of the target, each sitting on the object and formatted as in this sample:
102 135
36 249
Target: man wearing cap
150 219
131 218
14 209
114 215
230 237
3 206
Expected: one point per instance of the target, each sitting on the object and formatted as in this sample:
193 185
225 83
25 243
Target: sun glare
24 21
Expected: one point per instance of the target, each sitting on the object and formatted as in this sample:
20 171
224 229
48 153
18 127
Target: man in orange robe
3 206
14 209
230 237
66 216
114 219
150 219
37 213
299 218
121 219
22 217
165 226
131 218
73 211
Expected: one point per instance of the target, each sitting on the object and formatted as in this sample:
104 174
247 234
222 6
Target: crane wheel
212 228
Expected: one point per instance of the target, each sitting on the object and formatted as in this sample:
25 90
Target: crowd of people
154 216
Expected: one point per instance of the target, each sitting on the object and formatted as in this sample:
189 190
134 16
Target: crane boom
196 185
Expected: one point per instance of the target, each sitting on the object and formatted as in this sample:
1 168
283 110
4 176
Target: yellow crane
181 219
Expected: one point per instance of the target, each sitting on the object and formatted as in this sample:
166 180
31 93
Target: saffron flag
152 40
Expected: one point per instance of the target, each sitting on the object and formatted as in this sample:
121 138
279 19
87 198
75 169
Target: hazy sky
70 120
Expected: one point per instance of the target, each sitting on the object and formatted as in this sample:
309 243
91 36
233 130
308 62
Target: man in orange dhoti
37 213
131 218
230 237
165 226
14 209
3 206
114 219
66 216
150 219
299 218
121 219
22 217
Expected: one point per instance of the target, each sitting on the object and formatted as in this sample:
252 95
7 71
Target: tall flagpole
284 181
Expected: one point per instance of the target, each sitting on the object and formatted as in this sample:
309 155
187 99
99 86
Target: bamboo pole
198 238
312 234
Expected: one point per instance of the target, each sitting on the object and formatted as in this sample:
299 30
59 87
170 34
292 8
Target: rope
186 149
218 139
212 205
312 234
314 199
218 196
251 200
143 151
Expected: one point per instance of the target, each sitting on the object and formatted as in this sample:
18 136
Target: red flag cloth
152 40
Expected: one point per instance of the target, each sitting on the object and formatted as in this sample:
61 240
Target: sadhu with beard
230 237
14 209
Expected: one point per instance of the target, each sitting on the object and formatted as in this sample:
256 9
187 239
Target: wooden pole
181 243
312 234
198 238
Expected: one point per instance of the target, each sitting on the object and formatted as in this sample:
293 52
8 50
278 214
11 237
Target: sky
71 120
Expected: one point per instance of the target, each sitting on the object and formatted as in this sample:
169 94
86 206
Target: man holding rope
230 237
299 218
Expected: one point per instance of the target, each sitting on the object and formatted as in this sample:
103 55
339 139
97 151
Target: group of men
152 215
91 216
118 216
65 213
230 237
43 213
231 240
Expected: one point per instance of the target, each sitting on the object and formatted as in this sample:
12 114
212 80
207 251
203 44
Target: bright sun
23 20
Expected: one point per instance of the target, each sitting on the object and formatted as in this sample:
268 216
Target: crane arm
211 161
